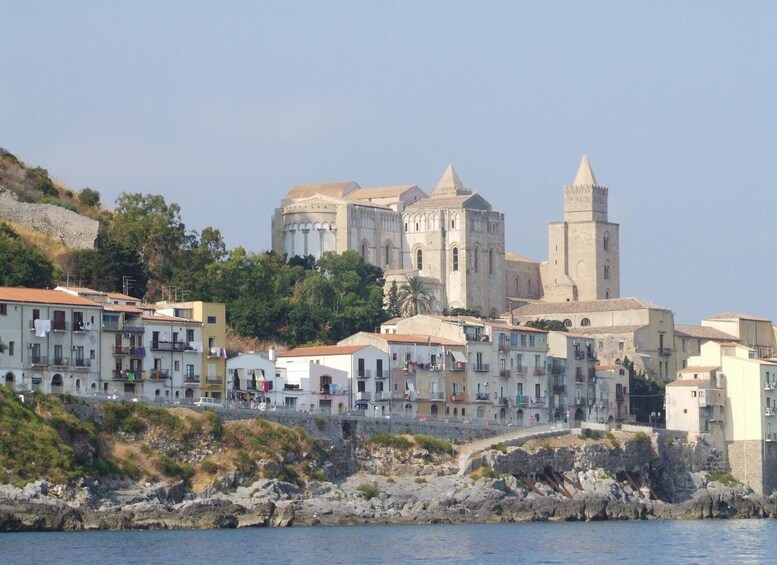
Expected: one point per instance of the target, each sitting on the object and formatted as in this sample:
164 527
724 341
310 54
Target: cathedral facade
455 240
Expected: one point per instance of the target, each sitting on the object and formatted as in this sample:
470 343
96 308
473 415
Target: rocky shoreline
360 499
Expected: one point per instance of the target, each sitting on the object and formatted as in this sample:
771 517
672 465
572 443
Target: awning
362 404
458 356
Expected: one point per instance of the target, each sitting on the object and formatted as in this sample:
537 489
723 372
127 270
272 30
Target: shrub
209 467
217 428
591 434
389 440
89 198
420 480
502 448
320 423
547 446
172 468
369 490
432 444
484 473
614 443
723 478
641 437
146 450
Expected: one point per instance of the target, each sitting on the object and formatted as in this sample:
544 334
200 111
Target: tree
645 396
392 301
89 198
547 325
21 263
415 296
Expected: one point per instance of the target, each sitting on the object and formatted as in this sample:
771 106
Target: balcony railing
458 397
559 389
381 374
436 395
192 378
537 402
82 363
128 375
214 379
382 395
580 401
521 369
504 346
481 396
503 401
137 351
477 337
457 367
539 371
769 411
169 345
120 350
665 351
770 385
363 396
38 361
60 362
159 374
505 373
619 396
482 368
556 369
579 354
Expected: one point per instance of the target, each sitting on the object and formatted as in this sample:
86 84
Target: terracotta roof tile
40 296
702 332
322 350
583 306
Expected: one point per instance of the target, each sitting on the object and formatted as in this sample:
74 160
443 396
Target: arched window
455 258
607 293
475 256
567 323
387 255
528 288
491 261
453 224
606 241
517 286
364 251
419 259
585 322
607 270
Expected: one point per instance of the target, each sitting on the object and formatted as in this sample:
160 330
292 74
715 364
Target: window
364 250
517 286
455 258
453 224
361 367
567 323
606 241
387 255
211 319
3 309
177 366
585 322
189 336
419 259
531 341
607 271
620 346
490 261
600 345
211 342
11 345
607 294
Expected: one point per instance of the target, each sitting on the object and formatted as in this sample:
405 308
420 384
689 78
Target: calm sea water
743 541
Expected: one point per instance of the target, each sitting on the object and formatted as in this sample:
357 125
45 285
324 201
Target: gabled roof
469 202
123 308
322 350
380 192
335 189
584 306
702 332
510 256
41 296
591 331
418 339
125 297
449 184
736 315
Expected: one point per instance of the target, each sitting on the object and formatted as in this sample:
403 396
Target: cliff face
73 230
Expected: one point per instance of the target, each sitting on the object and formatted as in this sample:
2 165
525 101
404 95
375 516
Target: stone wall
754 463
73 230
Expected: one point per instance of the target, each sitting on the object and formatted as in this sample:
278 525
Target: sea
725 541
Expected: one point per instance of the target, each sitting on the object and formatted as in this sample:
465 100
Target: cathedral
455 241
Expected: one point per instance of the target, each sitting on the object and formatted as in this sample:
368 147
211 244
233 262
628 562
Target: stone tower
584 257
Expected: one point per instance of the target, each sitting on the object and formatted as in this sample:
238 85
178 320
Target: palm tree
415 296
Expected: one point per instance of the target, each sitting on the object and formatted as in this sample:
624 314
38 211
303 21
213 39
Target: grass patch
500 447
420 480
320 422
723 478
591 434
209 467
614 443
171 468
432 444
641 437
384 439
483 473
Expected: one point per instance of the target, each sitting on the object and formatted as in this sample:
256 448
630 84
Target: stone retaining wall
73 230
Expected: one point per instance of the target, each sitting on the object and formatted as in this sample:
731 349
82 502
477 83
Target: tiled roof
702 332
582 307
510 256
123 308
608 330
120 296
699 369
336 189
380 192
40 296
322 350
735 315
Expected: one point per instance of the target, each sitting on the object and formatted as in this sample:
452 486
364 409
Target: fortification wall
73 230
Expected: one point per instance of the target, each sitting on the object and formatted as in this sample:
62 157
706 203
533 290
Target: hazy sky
221 107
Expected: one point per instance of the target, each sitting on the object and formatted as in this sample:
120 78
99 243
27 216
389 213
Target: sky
222 107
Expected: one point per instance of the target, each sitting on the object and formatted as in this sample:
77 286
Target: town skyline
236 106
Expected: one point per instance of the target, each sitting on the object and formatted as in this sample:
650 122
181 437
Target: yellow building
214 338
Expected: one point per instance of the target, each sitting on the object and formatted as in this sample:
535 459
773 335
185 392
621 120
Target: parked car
208 402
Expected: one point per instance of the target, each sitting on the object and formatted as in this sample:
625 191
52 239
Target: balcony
59 325
60 362
505 373
521 369
436 395
129 376
382 395
38 361
665 351
363 396
540 371
482 368
190 379
133 329
579 354
477 337
580 401
770 385
769 411
521 400
458 397
559 389
159 374
457 367
556 369
503 401
538 402
117 350
770 436
214 379
137 351
381 375
619 396
481 397
169 345
603 403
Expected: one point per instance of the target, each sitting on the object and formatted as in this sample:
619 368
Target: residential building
621 327
688 340
611 395
752 331
52 339
212 316
342 381
572 368
250 378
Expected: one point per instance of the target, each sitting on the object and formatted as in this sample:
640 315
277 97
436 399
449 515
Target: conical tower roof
450 183
585 174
